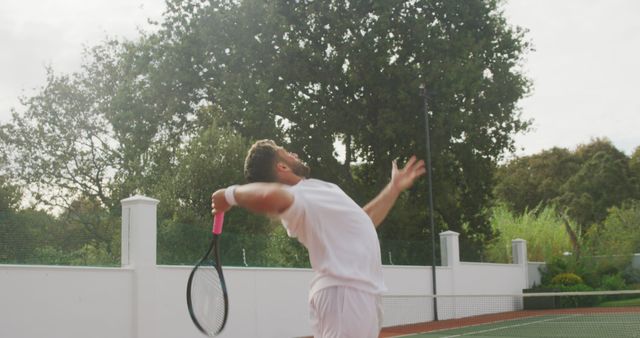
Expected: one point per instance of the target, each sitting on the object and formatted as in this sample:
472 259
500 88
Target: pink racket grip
218 219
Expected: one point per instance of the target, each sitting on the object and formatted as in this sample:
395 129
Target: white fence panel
142 300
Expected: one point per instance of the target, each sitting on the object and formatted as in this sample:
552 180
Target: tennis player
344 251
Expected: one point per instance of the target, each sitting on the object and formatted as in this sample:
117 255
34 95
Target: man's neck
291 180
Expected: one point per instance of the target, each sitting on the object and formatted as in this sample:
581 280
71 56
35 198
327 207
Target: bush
566 279
543 230
555 267
618 237
613 282
574 288
596 272
577 301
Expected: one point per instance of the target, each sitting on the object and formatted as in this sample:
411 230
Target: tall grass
543 230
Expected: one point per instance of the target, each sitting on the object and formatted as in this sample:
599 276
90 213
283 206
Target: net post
423 92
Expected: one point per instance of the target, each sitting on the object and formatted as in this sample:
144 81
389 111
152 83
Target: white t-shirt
341 238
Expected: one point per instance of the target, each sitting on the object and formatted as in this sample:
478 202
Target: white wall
409 301
488 278
263 302
142 300
65 302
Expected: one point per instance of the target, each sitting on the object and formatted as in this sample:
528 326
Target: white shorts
345 312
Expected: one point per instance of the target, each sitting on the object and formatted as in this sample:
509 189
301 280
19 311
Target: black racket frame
215 248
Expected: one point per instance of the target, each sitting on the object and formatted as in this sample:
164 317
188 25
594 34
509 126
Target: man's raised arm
401 179
262 198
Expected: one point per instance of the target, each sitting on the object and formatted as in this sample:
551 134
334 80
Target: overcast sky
584 68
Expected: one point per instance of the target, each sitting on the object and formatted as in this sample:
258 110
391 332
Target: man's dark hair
259 166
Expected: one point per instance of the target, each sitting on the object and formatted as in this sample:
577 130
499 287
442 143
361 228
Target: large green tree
619 235
528 181
582 184
313 72
9 195
305 73
602 181
60 147
209 161
634 168
9 229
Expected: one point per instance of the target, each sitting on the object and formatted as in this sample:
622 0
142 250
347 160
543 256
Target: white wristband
229 195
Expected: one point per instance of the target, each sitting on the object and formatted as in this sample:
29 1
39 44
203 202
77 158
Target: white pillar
449 248
450 258
635 262
139 253
519 256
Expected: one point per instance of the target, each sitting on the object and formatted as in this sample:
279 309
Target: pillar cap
449 233
138 200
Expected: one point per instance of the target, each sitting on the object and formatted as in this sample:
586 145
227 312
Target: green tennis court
560 325
551 314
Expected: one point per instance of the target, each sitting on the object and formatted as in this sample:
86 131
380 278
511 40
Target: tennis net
552 314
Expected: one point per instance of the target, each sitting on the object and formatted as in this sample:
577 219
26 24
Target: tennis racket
207 298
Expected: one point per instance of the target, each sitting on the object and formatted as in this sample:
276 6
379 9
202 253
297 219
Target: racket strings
208 299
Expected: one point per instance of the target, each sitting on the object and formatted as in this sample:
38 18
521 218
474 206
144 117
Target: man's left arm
401 179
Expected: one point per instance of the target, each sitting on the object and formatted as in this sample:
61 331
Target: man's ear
281 167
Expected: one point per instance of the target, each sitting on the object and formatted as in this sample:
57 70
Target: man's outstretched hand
402 179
